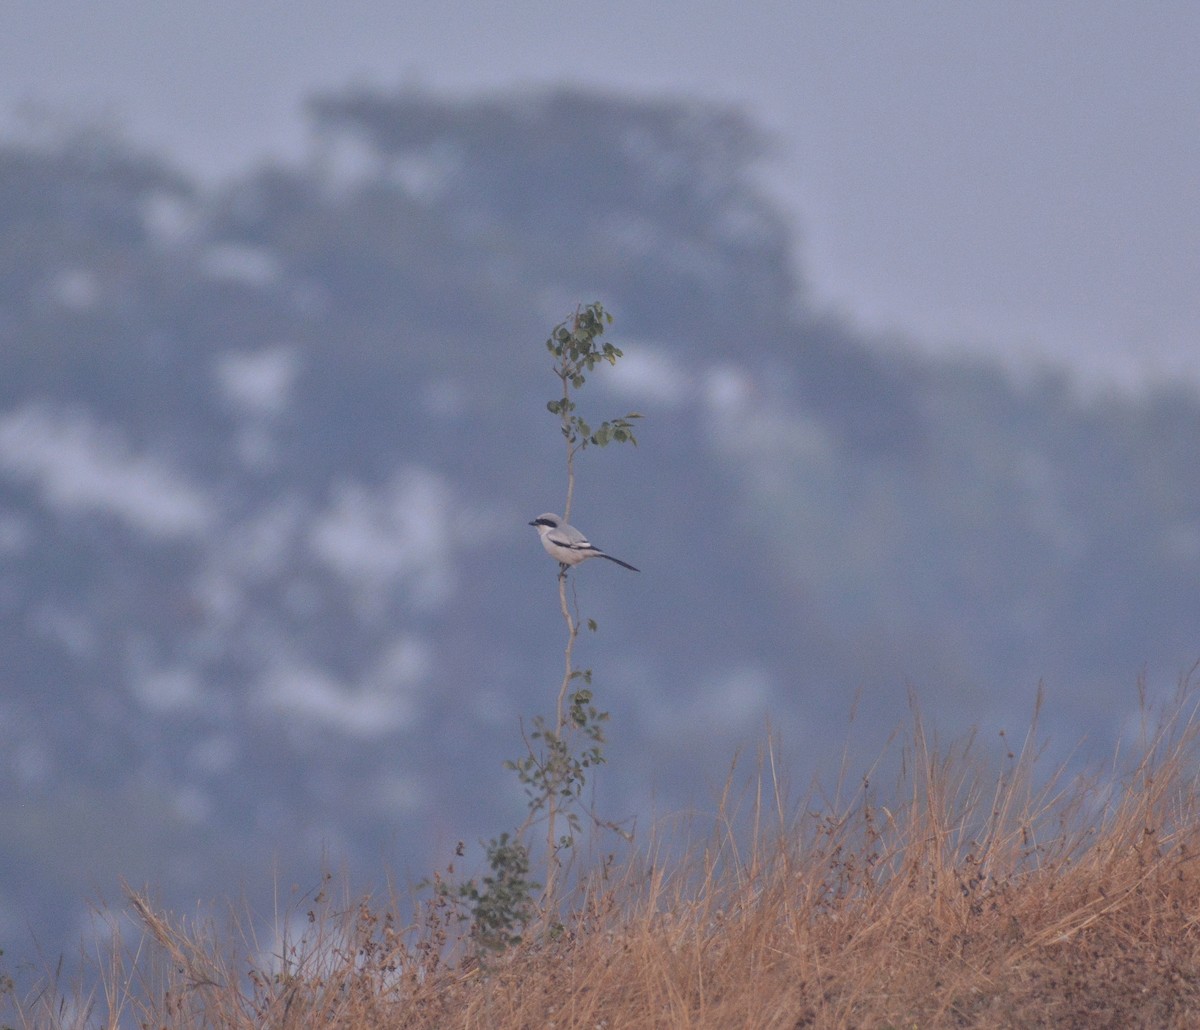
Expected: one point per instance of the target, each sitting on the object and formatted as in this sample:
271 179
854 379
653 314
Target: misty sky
1017 177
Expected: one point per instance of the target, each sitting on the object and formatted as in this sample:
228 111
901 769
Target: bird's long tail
623 564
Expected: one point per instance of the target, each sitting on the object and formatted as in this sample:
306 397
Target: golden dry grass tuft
976 896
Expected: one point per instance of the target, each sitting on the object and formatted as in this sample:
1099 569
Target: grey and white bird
566 545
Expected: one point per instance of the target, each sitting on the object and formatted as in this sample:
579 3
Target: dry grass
973 898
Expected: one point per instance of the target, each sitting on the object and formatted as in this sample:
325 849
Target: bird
567 545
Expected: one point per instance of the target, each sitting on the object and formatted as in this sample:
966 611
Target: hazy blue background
272 409
1021 178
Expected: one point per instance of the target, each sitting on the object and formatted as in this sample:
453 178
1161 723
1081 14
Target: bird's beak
533 522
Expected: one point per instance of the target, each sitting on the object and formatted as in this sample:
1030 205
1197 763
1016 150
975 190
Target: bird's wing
571 539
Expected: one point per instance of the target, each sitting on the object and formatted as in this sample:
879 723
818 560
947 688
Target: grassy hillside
971 896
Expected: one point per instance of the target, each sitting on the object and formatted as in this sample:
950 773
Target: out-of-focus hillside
267 456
